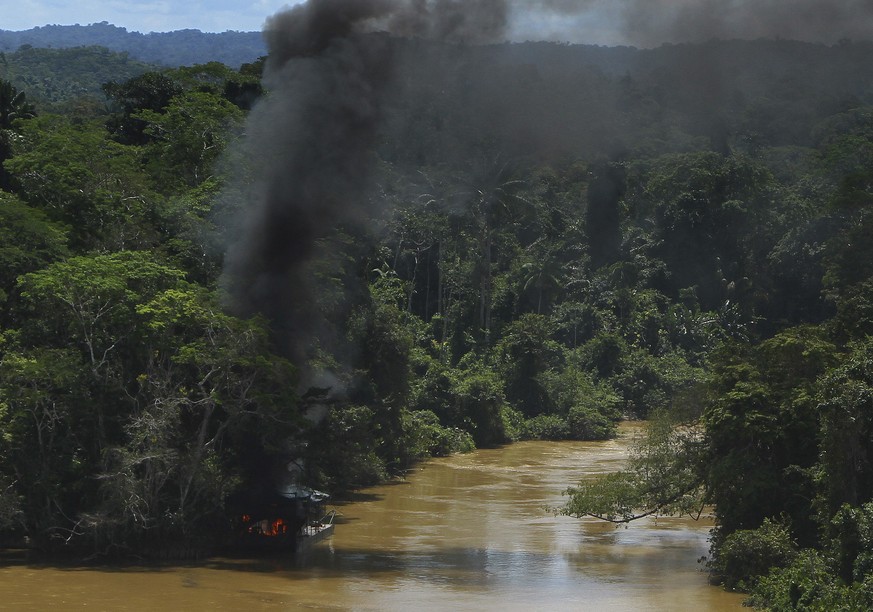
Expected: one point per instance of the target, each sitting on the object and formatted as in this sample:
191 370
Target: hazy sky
642 23
142 15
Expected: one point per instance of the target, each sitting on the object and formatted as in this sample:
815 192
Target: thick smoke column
329 74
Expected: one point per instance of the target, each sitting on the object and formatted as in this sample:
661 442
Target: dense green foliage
67 80
622 252
777 437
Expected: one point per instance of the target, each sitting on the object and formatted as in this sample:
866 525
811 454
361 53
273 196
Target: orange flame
266 527
277 527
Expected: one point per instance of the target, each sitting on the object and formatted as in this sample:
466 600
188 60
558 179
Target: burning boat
286 515
292 519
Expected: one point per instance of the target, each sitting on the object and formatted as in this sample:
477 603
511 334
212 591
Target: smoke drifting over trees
649 23
353 82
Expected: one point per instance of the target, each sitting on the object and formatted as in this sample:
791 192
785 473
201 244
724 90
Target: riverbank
463 532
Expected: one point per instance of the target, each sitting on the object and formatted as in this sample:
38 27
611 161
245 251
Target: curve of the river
468 532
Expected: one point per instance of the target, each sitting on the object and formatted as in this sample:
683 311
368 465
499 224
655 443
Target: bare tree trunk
485 289
427 288
440 305
412 284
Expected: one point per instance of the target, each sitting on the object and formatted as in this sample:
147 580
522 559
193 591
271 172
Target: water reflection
466 532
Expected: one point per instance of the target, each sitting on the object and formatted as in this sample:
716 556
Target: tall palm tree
542 275
493 194
13 105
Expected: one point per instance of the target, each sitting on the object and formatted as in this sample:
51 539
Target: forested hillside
68 81
178 48
517 241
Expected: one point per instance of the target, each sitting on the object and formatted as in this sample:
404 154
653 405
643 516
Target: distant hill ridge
178 48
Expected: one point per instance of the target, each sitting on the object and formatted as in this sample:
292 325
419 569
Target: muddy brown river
469 532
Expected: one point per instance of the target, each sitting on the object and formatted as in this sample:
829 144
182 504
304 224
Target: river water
468 532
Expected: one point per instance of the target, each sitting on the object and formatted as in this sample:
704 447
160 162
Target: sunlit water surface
469 532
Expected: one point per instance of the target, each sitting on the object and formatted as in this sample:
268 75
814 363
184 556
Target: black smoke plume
311 141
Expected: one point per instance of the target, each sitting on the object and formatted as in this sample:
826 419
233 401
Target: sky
142 15
642 23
